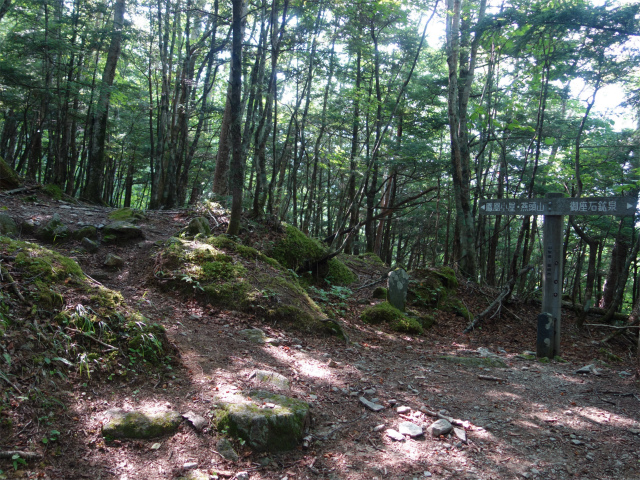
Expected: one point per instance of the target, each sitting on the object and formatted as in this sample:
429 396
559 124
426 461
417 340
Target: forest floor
540 420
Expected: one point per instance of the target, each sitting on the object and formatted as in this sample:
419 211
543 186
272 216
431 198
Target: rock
411 429
370 405
140 423
88 231
195 475
190 465
460 434
394 435
369 391
120 231
89 245
254 335
440 427
577 442
272 378
199 225
265 429
377 428
197 421
54 231
113 261
9 179
485 352
398 286
29 226
7 226
588 369
403 409
225 448
241 476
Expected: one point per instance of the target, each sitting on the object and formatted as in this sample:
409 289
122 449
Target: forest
377 126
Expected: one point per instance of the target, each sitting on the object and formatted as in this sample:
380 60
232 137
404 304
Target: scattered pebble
394 435
404 409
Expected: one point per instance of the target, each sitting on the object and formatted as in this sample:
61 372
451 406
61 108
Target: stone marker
197 421
398 286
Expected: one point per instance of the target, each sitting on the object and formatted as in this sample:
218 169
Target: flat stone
89 245
370 405
588 369
440 427
394 435
113 261
272 378
140 423
265 429
460 434
411 429
197 421
122 231
254 335
403 409
225 448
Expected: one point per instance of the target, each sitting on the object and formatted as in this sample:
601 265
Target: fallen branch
24 455
453 421
12 283
493 379
6 379
602 325
498 301
91 337
380 280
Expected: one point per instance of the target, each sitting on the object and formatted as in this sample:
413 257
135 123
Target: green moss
544 360
107 298
379 293
53 191
295 248
372 257
448 277
43 264
407 325
126 214
339 273
48 299
381 313
88 231
560 359
609 355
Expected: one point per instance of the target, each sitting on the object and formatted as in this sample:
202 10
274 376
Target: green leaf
549 141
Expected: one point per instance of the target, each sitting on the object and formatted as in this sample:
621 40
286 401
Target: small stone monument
398 286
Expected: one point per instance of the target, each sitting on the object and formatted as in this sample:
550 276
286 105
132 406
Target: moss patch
339 273
223 272
379 293
53 191
127 215
407 325
296 248
381 313
140 424
483 362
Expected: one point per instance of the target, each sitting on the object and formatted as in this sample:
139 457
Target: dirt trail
542 421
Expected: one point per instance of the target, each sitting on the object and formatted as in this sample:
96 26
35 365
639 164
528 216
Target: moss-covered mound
384 312
435 288
223 272
127 214
9 179
296 251
83 326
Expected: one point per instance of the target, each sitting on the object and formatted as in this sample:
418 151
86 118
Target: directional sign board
619 206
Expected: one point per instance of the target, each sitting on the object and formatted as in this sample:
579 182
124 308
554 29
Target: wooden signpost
553 207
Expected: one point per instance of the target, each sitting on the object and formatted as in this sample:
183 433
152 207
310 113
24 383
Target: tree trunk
93 190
